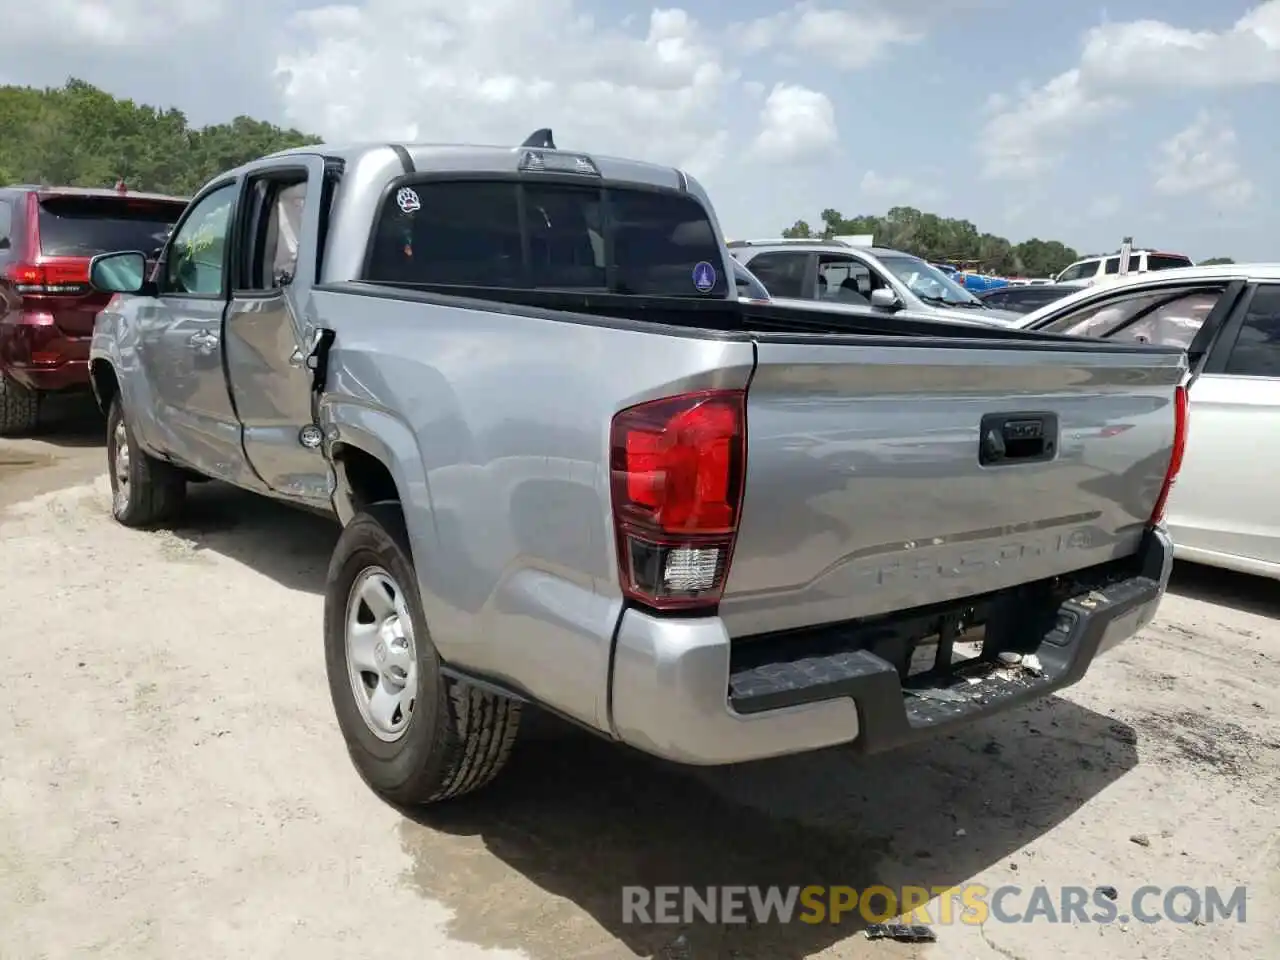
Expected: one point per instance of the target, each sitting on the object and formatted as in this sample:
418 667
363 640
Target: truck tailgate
874 481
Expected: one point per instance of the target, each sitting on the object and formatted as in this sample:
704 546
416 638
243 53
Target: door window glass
1080 271
1256 352
844 279
284 227
197 254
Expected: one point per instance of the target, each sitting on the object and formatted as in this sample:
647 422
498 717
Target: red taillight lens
677 469
49 279
1182 417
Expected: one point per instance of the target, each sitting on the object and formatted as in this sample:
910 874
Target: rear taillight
677 468
1182 416
49 279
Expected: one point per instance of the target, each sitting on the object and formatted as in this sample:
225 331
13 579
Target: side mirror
118 272
883 298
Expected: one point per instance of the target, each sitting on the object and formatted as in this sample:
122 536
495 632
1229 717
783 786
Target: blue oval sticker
704 276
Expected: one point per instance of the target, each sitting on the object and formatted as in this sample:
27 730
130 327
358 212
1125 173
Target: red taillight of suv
1181 423
59 278
677 468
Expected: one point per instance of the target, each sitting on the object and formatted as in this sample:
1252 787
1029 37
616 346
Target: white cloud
1201 160
494 70
851 37
1155 54
119 24
1022 141
1027 134
796 124
897 191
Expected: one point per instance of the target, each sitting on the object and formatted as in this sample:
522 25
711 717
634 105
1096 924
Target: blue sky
1074 122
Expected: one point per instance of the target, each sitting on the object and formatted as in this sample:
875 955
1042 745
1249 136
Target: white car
1093 269
1223 511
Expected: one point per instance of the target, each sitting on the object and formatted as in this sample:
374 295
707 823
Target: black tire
19 409
152 491
458 737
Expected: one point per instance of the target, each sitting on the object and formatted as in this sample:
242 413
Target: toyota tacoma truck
574 470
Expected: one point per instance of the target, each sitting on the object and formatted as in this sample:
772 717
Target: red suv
48 235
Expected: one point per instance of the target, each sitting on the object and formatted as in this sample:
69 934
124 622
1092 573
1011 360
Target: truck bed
866 488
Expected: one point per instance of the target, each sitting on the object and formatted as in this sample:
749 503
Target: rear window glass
85 226
574 237
1165 261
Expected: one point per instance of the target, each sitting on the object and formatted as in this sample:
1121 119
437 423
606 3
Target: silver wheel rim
120 440
382 661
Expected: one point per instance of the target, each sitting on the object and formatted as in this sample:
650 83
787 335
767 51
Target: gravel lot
172 782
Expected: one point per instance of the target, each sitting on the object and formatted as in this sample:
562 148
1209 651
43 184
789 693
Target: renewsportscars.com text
968 904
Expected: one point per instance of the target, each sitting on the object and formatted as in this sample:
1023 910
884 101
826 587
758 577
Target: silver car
837 273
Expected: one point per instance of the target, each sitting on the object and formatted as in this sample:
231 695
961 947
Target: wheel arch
104 381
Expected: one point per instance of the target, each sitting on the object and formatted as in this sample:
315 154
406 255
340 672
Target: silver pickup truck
575 470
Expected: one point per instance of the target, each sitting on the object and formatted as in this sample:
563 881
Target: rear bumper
42 357
67 375
675 693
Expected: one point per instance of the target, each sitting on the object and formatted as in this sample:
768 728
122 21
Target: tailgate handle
1017 438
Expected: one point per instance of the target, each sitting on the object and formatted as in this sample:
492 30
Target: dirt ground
173 784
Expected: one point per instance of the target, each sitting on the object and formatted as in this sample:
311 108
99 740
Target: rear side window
84 226
630 241
1172 324
1156 316
783 273
1166 261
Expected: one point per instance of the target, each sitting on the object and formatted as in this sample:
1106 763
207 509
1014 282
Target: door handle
1017 438
205 340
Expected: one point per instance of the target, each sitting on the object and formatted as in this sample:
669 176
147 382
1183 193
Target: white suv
1091 269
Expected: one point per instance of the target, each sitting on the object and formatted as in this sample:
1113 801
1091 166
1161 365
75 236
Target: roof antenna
541 139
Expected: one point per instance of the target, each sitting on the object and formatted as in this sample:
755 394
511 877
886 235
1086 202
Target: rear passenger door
267 333
1224 502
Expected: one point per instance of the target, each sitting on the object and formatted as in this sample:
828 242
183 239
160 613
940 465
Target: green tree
943 239
79 135
1214 260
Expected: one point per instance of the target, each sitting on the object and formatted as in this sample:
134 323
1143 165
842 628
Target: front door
268 337
1224 501
182 341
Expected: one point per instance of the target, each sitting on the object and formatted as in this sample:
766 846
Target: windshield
928 282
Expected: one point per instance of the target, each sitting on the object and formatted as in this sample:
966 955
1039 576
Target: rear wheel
414 735
144 491
19 408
